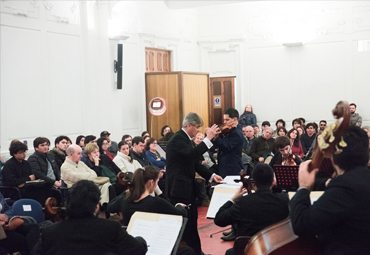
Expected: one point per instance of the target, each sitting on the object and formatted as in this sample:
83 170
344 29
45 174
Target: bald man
248 134
74 170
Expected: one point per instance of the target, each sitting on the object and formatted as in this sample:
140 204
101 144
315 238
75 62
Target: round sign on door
157 106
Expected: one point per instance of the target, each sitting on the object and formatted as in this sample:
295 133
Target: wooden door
157 60
222 97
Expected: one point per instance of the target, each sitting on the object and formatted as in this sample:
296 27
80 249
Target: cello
279 238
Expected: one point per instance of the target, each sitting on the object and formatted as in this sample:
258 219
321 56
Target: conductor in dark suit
84 233
183 160
230 145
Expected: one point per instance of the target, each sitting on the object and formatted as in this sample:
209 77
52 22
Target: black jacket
277 159
39 166
141 158
59 156
15 172
254 212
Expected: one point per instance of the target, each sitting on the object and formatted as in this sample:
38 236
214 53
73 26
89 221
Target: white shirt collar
187 134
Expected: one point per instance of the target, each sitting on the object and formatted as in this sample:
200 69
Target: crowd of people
177 183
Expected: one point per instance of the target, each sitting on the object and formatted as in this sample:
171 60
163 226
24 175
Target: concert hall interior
287 59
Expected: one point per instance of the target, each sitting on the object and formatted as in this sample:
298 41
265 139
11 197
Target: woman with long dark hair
295 142
248 118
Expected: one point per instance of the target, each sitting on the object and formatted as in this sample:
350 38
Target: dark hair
263 175
137 139
120 144
281 128
281 142
310 125
303 121
353 105
143 133
233 113
100 142
323 121
296 140
17 147
315 126
168 136
298 121
148 143
60 138
140 177
125 136
281 121
89 138
163 128
266 123
78 139
40 140
356 153
82 199
255 125
69 140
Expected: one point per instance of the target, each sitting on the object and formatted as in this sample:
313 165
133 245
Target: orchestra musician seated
84 233
138 198
284 156
257 210
340 217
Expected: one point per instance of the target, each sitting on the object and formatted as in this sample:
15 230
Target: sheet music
220 196
160 151
160 235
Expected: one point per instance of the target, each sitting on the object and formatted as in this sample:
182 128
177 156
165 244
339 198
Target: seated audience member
281 131
367 130
84 233
146 139
356 119
80 141
17 171
256 130
144 133
21 239
265 125
128 140
295 142
322 125
248 118
340 217
255 211
284 156
263 146
59 151
208 159
88 139
69 141
308 137
279 123
113 148
303 121
74 170
124 160
164 131
103 144
168 136
300 130
296 123
137 149
138 198
153 155
248 134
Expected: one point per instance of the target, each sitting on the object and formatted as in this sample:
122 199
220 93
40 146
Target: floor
211 245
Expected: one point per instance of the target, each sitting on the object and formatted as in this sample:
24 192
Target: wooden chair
279 239
240 244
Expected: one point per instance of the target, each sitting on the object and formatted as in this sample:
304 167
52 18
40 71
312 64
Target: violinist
340 217
284 156
230 143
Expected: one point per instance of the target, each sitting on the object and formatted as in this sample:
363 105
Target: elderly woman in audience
139 198
295 142
124 160
153 155
281 131
248 118
80 141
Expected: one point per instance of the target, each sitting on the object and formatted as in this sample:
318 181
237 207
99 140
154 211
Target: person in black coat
284 154
83 233
59 151
255 211
340 217
230 145
182 163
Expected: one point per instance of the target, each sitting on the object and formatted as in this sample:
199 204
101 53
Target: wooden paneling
195 96
157 60
167 87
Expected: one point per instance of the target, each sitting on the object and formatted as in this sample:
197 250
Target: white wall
289 82
57 65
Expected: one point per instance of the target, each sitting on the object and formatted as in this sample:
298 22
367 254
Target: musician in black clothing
284 156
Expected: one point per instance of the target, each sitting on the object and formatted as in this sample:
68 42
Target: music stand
179 237
286 177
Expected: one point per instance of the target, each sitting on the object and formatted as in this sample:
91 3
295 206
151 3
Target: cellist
284 156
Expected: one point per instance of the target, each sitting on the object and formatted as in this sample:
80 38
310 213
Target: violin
225 130
124 179
332 136
58 213
248 184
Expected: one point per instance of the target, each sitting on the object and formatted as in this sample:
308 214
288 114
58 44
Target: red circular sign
157 106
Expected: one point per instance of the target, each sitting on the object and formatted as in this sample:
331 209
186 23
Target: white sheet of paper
160 235
160 151
219 197
27 208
